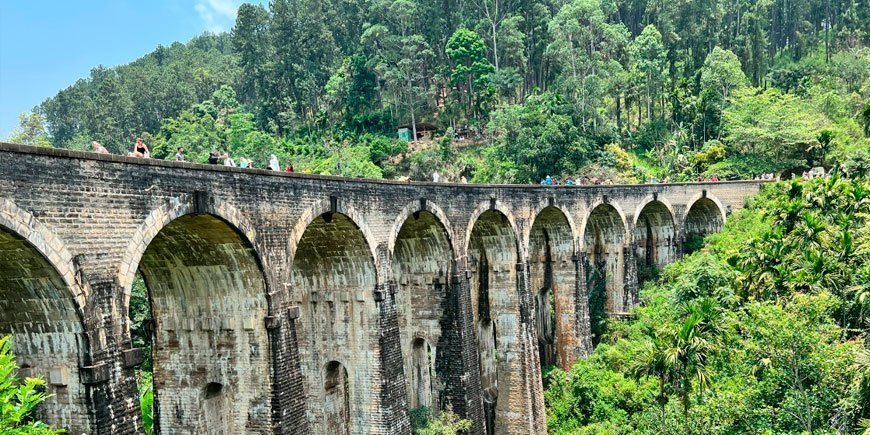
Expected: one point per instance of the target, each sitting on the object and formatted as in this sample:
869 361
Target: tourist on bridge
436 177
273 163
99 149
243 162
140 149
213 158
228 161
288 168
179 154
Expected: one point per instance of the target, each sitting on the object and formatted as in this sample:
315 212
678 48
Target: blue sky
46 45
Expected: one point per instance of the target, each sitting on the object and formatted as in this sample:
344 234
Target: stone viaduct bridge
293 304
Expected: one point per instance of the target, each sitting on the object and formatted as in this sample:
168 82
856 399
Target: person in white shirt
273 163
436 177
228 161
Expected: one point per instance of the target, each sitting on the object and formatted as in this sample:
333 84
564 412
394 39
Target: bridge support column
393 394
288 400
629 255
458 363
109 377
530 365
581 308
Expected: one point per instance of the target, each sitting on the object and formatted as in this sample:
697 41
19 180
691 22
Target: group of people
583 181
140 150
216 158
436 178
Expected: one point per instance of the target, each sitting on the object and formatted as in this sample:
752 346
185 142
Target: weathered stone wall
300 304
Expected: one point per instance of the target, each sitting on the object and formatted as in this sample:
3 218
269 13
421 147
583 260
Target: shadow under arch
553 279
333 278
655 237
492 257
208 298
705 215
39 308
605 235
422 263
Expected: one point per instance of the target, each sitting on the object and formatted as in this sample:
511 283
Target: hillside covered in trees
511 90
762 331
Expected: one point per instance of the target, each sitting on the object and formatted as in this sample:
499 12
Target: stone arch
50 246
605 235
493 206
422 262
415 207
655 236
209 298
572 222
42 311
553 279
705 215
492 257
333 278
162 216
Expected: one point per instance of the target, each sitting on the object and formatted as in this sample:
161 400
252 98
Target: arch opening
552 278
703 218
604 238
421 262
210 352
336 395
656 241
492 261
421 374
38 309
333 278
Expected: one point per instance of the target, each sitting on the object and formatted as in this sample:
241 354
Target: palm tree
677 354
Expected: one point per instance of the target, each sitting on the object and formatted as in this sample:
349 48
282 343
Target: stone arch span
333 278
553 279
416 208
422 266
705 215
493 255
492 206
655 236
605 235
162 216
40 309
208 294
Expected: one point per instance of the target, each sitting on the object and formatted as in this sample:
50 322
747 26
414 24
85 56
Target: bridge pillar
458 364
108 376
288 404
535 415
630 284
581 308
394 399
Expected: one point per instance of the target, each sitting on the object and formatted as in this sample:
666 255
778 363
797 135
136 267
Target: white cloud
217 15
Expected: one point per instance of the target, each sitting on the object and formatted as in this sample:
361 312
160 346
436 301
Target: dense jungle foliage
764 330
512 90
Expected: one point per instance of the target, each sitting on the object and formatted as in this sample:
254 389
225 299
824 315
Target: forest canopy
665 81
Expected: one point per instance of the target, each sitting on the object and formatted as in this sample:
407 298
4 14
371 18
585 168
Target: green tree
722 73
538 138
648 60
585 49
30 130
471 70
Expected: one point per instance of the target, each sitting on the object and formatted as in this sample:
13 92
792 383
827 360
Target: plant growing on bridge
18 398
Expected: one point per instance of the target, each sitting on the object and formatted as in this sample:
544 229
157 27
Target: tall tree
648 60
